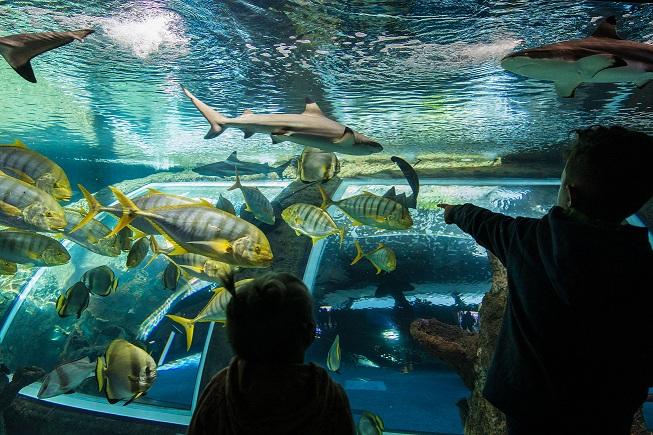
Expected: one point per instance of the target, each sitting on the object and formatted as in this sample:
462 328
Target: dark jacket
576 334
247 398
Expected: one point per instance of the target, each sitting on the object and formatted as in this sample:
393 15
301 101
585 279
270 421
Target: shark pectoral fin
248 134
566 89
347 138
589 66
642 83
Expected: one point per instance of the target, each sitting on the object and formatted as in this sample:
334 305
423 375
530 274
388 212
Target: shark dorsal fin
312 108
233 156
607 29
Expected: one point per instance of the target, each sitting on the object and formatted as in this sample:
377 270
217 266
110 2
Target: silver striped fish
373 210
152 199
381 257
94 236
25 247
214 311
27 207
35 169
256 202
312 221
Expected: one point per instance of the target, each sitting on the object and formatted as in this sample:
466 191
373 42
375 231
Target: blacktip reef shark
603 57
310 128
19 50
226 167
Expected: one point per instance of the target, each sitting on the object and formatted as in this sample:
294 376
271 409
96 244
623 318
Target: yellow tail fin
189 327
326 199
129 211
359 253
99 373
94 207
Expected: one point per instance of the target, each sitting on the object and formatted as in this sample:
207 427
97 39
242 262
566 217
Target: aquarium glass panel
135 312
440 273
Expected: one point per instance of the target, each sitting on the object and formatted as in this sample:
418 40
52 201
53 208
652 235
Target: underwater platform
440 272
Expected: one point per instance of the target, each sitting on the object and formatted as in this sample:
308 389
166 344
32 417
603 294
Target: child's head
607 175
270 320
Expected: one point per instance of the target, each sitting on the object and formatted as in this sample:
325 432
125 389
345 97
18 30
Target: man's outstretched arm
493 231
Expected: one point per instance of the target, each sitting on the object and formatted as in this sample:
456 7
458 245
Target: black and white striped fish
373 210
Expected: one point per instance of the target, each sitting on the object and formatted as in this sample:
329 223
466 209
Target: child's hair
610 166
270 319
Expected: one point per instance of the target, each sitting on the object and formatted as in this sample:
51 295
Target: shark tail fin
215 118
237 184
280 169
359 253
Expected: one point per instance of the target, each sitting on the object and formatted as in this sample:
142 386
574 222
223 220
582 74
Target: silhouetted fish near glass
226 167
171 276
19 50
66 377
413 182
225 205
138 252
74 302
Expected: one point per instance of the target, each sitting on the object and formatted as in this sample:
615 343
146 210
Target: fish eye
49 214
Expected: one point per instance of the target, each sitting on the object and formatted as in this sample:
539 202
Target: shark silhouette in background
19 50
226 168
604 57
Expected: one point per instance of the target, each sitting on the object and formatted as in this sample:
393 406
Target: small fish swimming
125 237
317 165
225 205
125 372
381 257
25 247
198 228
100 280
311 221
74 302
152 321
138 252
171 276
19 50
7 267
226 168
373 210
333 357
256 202
363 361
214 311
27 207
310 128
66 377
94 236
370 424
198 266
36 169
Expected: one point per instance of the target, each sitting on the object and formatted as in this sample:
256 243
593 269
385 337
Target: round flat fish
74 302
100 281
138 252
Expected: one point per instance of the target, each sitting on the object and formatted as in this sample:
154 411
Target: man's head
607 175
270 320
